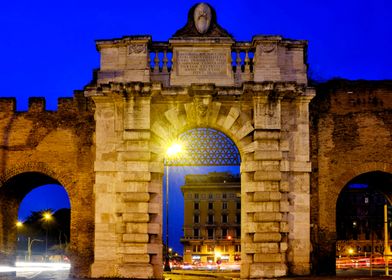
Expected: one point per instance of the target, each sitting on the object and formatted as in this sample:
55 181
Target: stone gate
147 93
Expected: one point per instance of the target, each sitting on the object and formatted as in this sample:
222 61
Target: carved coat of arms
202 17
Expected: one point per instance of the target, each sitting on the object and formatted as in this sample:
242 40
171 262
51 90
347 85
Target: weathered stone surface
350 135
267 237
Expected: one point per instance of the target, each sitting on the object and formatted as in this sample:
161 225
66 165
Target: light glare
174 149
47 216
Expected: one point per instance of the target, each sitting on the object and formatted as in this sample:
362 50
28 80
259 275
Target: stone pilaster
296 170
127 188
263 244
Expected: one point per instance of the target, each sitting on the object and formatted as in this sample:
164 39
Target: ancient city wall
351 130
40 147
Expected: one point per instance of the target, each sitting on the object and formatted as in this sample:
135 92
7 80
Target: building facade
212 218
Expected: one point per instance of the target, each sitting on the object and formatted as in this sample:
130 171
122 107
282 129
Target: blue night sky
48 47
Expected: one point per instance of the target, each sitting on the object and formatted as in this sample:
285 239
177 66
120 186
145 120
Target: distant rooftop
212 177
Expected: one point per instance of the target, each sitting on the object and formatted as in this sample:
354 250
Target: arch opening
204 205
360 223
35 222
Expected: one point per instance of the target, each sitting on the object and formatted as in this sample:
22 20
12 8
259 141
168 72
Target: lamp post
29 244
47 216
171 151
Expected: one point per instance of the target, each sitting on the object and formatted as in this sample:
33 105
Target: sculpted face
202 18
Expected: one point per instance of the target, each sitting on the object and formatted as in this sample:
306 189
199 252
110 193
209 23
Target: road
189 275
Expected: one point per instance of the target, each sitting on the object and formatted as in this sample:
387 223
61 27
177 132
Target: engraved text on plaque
201 63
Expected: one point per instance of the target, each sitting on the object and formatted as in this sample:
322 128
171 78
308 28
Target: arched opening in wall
35 220
360 226
202 217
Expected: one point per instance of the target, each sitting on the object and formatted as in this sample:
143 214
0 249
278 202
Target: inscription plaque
201 63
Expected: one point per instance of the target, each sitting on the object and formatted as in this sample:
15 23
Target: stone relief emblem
136 48
267 48
201 109
202 17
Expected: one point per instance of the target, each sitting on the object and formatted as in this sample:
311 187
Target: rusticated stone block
141 271
154 228
135 237
267 196
131 187
269 258
137 176
268 270
259 248
132 207
131 156
102 268
284 227
154 208
283 246
136 197
267 217
136 258
267 155
267 176
261 227
134 248
107 252
154 248
284 206
267 237
261 186
136 227
136 217
265 206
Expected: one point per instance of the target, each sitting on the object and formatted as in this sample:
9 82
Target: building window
196 206
238 232
196 219
224 232
225 248
238 205
237 248
210 219
196 232
224 218
210 206
210 196
238 218
224 205
210 248
210 233
196 248
196 196
224 195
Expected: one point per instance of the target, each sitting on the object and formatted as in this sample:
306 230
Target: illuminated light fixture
19 224
47 216
174 149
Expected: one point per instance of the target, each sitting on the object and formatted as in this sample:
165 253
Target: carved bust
202 17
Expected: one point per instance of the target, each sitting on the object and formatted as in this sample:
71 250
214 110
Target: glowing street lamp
173 150
47 216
